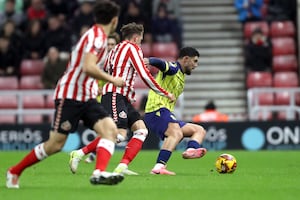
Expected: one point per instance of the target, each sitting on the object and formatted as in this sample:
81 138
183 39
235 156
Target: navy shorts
158 121
69 112
121 110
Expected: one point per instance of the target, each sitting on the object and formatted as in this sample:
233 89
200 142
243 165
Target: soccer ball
226 163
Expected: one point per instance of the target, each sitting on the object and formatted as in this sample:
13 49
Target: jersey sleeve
164 66
95 44
142 70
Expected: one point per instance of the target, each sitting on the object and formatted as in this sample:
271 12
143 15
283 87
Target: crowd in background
40 29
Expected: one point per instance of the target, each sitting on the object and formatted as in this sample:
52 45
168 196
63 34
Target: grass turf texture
259 175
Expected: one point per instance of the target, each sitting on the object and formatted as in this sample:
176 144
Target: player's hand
119 82
171 97
100 91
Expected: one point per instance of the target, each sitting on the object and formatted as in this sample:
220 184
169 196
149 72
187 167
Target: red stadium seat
31 82
33 101
285 79
8 119
165 50
33 119
282 98
251 26
266 98
9 83
283 46
147 49
285 63
282 29
49 101
32 67
259 79
8 102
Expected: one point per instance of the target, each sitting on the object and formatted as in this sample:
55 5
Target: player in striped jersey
75 99
126 60
158 112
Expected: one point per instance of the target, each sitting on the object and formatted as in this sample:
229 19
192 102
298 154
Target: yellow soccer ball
226 163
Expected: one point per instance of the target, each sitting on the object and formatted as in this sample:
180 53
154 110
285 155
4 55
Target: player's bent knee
140 134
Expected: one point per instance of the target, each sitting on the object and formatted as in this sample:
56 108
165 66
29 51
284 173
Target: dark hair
188 51
210 106
115 36
257 30
104 11
132 28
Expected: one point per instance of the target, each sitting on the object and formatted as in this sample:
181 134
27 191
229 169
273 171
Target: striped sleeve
142 70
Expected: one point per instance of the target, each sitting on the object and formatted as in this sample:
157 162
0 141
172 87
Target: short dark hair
105 11
131 28
188 51
210 106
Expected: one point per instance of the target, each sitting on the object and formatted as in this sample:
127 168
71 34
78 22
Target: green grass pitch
260 175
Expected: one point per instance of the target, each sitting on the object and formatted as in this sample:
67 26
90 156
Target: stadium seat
283 46
8 102
266 98
282 115
31 67
282 29
165 50
259 79
34 101
8 119
251 26
49 101
147 49
33 119
285 63
31 82
9 83
285 79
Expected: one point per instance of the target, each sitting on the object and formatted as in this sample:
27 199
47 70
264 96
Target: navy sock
163 156
193 144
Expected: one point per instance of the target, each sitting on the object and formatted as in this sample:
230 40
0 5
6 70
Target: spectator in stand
258 52
83 18
249 10
19 4
54 68
210 114
9 13
58 7
135 14
164 29
57 35
8 63
172 8
34 41
36 10
279 10
15 39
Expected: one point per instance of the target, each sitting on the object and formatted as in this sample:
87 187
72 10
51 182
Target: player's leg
173 136
194 147
65 121
53 145
97 118
133 146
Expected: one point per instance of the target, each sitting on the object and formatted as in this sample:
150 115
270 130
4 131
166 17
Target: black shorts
121 110
69 112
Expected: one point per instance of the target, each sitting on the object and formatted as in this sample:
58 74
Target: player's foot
123 169
75 159
105 178
12 180
191 153
90 158
162 171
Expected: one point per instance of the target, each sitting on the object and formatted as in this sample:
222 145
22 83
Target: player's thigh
190 129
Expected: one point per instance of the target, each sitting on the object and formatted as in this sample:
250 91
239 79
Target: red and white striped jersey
126 61
76 84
